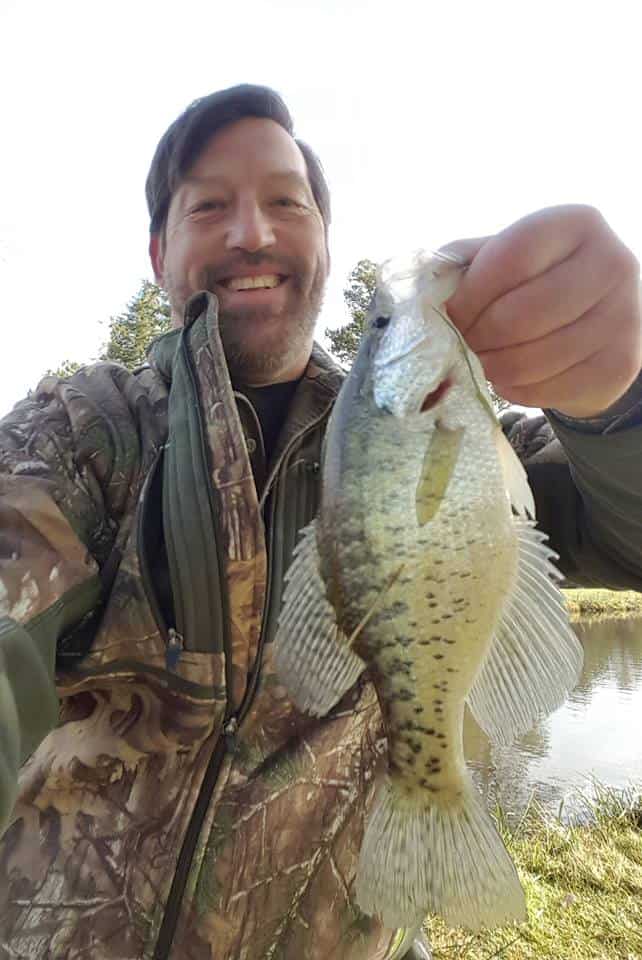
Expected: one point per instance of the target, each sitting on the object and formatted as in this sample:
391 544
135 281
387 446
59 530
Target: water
596 734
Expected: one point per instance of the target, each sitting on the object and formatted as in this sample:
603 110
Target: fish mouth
432 399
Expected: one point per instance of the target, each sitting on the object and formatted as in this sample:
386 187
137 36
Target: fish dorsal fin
515 477
534 659
312 655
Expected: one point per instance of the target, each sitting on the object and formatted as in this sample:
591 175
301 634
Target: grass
583 885
594 604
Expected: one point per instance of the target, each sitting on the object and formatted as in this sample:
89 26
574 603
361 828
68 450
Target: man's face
246 210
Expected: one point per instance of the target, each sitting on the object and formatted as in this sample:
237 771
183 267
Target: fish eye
381 322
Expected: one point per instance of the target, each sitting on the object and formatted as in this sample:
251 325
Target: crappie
424 566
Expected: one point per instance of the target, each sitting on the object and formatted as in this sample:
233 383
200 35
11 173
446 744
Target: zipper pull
229 731
174 649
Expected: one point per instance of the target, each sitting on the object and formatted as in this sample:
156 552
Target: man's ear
156 255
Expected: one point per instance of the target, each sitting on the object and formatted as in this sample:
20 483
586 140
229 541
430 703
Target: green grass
583 885
593 604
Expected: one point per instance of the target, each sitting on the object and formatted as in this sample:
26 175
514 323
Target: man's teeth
250 283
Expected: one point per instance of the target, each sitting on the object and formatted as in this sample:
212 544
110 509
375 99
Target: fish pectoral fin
437 469
313 657
535 659
515 477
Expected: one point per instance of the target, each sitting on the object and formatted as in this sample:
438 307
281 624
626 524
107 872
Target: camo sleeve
70 458
585 476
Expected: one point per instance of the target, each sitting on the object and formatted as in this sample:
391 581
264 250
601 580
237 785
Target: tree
358 295
145 318
65 370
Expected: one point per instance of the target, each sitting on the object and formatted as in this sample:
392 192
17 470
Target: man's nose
250 228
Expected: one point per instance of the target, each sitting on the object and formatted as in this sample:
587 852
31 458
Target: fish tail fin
421 857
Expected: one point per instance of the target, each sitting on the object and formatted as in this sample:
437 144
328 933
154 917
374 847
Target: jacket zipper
256 669
172 639
231 725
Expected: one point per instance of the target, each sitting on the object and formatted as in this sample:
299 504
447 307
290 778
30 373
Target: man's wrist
625 412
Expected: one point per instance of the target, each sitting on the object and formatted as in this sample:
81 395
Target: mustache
211 274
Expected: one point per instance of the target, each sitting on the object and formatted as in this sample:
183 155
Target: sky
433 121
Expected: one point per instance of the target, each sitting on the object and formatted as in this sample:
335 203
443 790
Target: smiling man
172 802
244 224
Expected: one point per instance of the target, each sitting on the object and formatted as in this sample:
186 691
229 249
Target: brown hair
184 140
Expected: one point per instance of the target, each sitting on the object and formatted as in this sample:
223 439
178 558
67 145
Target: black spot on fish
433 604
438 702
405 694
451 669
418 709
441 736
403 640
415 747
438 656
395 610
399 666
444 746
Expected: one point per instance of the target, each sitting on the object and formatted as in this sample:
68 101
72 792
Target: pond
595 735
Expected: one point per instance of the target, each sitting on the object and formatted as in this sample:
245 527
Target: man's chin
266 354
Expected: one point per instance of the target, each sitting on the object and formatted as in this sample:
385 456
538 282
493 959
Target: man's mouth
266 281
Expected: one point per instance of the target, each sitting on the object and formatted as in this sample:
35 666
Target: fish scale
424 566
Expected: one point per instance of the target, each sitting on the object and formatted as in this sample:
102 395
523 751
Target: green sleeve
586 478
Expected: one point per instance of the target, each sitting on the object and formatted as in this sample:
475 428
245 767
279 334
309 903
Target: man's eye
208 205
287 202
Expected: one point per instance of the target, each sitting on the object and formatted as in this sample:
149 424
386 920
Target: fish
424 567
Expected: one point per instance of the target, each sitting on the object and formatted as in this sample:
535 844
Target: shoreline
589 605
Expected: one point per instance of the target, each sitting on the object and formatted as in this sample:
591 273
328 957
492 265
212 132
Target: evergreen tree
358 294
65 370
145 318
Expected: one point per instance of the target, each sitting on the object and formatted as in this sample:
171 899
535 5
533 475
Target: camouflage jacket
172 802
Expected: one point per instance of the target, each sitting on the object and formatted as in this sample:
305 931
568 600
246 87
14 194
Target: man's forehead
286 175
258 142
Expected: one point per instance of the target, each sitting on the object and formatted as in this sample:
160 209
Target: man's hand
551 305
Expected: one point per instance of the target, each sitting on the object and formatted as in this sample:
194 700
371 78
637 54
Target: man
173 802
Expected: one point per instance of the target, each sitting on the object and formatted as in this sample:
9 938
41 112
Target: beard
260 341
